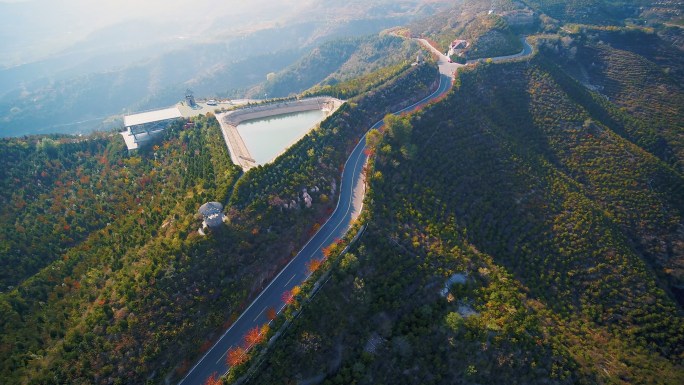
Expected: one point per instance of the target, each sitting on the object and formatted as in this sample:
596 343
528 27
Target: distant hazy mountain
63 67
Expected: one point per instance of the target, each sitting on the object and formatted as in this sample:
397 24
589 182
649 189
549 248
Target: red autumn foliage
183 367
205 346
271 314
213 380
287 297
314 229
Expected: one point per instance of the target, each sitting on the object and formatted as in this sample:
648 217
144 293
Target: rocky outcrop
307 199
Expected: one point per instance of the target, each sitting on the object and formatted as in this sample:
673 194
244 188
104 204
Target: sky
30 29
33 30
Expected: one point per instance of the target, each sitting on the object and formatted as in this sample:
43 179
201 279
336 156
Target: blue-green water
267 137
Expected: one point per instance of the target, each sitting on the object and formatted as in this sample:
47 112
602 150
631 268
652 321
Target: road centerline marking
290 280
258 315
224 354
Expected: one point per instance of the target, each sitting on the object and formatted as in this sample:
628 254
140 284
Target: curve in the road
526 51
295 272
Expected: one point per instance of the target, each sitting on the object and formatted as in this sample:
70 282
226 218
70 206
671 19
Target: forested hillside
483 24
527 228
337 61
563 239
40 177
636 78
120 287
125 269
608 12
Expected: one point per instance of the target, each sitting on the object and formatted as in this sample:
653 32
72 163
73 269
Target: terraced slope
566 234
638 74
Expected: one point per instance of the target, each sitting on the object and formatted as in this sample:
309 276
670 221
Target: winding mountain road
295 272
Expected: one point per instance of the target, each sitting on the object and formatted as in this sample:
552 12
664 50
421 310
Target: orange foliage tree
253 336
289 295
313 265
236 356
327 251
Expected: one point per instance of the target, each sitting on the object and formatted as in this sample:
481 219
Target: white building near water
145 126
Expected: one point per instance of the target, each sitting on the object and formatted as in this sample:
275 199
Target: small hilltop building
457 47
212 212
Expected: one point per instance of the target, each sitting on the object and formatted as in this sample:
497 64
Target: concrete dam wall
239 153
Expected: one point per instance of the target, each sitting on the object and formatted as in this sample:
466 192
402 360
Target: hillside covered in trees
527 228
488 28
523 230
107 278
337 61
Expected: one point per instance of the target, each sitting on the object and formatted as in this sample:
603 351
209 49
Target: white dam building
144 126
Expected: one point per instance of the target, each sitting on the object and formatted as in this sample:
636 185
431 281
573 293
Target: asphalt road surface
214 361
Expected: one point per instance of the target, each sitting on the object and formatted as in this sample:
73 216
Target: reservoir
266 138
